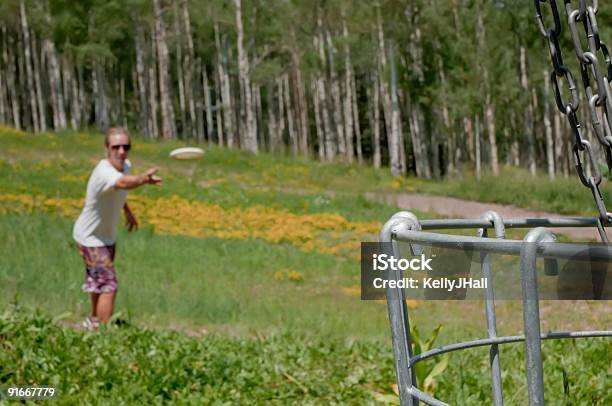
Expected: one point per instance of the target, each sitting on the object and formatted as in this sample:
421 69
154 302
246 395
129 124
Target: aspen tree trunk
199 72
188 69
220 120
330 142
28 65
382 62
477 146
491 130
66 85
40 103
418 136
261 136
356 124
302 104
550 155
489 107
415 129
330 145
57 97
178 40
586 133
348 96
375 124
318 124
122 116
289 108
153 88
447 128
515 157
4 84
99 89
569 154
207 104
528 119
421 154
435 151
402 144
560 167
335 93
256 92
75 101
9 62
56 87
468 128
73 94
22 91
224 84
3 99
271 117
165 97
281 114
143 86
246 104
219 112
84 112
394 138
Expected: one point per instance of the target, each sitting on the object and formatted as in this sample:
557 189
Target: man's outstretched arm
134 181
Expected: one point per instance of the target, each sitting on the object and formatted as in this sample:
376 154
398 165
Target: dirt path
458 208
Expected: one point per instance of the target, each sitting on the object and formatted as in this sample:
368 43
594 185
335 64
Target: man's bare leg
94 305
105 306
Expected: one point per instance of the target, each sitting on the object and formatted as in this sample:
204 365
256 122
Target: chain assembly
597 88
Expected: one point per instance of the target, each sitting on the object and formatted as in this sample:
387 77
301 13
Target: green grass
182 282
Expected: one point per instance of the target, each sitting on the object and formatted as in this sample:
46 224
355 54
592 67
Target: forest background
424 87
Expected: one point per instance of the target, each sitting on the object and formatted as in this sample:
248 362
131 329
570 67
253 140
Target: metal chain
599 97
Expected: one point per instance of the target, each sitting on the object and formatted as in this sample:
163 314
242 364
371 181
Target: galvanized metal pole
485 263
398 311
531 313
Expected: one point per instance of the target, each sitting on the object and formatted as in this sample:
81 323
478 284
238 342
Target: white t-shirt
98 222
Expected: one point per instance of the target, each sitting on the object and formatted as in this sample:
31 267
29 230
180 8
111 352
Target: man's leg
105 306
94 305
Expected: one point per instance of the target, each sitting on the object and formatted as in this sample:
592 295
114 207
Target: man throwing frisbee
95 231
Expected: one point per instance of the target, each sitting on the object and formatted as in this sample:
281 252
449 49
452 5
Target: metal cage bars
405 226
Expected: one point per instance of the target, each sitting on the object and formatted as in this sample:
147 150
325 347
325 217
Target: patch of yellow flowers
322 232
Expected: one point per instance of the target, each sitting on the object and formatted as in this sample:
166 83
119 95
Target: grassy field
257 257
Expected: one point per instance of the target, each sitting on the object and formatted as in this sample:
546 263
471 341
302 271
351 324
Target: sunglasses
126 147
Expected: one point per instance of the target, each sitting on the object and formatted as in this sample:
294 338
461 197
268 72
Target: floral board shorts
100 274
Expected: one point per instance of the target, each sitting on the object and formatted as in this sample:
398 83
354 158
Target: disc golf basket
539 242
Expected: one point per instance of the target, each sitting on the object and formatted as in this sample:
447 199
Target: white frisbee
187 153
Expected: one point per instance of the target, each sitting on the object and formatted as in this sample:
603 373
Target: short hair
112 131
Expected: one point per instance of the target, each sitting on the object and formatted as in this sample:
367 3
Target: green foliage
134 365
428 370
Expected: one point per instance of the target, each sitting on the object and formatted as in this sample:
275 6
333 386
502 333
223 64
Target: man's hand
151 178
130 221
134 181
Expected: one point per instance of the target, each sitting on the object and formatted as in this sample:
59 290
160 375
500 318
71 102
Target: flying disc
187 153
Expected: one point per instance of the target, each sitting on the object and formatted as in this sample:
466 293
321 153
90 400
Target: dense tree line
426 86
